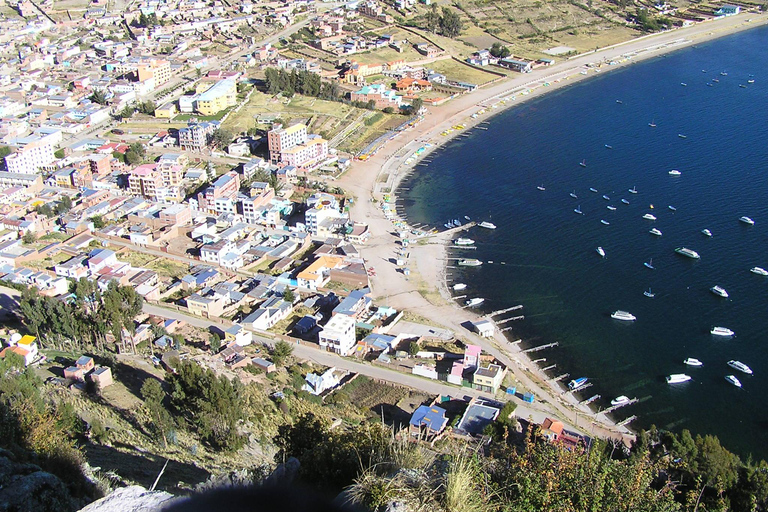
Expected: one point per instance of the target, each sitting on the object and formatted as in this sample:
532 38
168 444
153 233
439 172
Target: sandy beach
424 291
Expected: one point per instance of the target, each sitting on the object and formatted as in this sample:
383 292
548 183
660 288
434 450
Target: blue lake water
544 254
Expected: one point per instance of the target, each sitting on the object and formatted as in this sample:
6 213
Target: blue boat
577 383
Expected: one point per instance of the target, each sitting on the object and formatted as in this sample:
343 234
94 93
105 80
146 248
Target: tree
59 153
450 23
147 107
153 395
64 205
432 19
499 51
215 342
413 348
98 221
281 352
29 238
416 105
289 296
99 96
127 112
221 138
135 153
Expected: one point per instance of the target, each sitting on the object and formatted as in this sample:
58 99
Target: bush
375 118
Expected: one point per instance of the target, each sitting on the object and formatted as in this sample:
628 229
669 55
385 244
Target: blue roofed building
428 422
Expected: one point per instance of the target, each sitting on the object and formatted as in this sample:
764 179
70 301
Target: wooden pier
580 388
589 400
550 367
513 308
540 347
561 377
510 319
626 421
619 406
541 360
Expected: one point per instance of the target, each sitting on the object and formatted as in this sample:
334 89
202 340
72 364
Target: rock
130 499
285 473
397 506
27 488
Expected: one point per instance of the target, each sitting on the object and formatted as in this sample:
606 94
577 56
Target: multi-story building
338 335
378 93
226 186
31 158
195 136
222 95
144 181
293 146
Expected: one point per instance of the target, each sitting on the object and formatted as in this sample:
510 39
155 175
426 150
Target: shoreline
443 310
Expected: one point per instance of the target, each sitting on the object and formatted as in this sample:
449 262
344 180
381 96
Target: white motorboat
733 380
747 220
620 400
541 187
459 286
625 201
706 232
759 271
464 241
675 172
672 208
633 190
719 290
623 315
577 210
577 383
612 208
691 361
690 253
471 262
593 190
738 365
606 198
601 252
487 225
471 303
604 222
573 195
721 331
677 378
649 216
655 231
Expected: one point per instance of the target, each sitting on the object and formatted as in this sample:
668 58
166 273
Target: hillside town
199 153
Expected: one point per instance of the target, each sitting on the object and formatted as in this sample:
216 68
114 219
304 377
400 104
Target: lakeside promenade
424 292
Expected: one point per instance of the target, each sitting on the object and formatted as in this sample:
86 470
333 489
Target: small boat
759 271
605 222
675 172
742 86
723 73
684 84
652 124
577 383
721 331
612 208
601 252
690 253
467 217
583 163
471 303
706 232
716 80
456 222
672 208
541 187
487 225
607 146
682 136
459 286
693 362
471 262
623 315
593 190
649 216
655 231
464 241
747 220
577 210
620 400
738 365
448 225
677 378
649 294
733 380
625 201
606 198
633 190
751 81
719 290
573 195
649 264
619 102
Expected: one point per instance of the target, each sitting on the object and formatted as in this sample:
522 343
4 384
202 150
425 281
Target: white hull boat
623 315
692 361
677 378
733 380
620 400
721 331
759 271
738 365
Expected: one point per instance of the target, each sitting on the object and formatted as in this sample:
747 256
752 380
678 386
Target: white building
31 158
338 335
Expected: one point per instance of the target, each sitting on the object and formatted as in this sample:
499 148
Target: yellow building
217 98
167 111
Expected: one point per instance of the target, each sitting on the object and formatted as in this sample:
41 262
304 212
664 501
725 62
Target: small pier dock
561 377
550 367
619 406
580 388
540 347
626 421
513 308
510 319
589 400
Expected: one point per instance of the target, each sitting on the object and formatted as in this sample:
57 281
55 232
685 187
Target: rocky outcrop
131 499
27 488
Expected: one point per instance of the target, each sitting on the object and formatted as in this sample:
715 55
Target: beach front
424 293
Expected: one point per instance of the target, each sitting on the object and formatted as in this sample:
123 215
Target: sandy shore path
424 292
